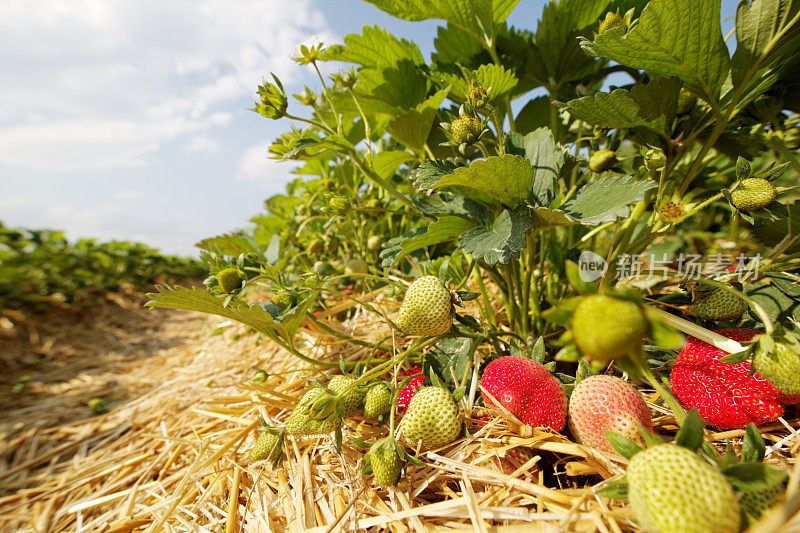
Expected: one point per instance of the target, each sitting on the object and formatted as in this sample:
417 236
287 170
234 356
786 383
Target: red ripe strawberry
527 389
607 403
408 392
724 394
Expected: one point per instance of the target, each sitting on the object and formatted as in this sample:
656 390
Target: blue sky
128 119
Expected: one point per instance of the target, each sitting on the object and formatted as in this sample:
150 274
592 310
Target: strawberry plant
39 268
544 205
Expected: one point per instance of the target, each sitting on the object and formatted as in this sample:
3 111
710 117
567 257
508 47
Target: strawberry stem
669 398
693 330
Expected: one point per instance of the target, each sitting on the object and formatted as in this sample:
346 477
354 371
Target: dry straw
172 456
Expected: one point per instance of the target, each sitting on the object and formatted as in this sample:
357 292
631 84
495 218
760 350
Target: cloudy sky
128 119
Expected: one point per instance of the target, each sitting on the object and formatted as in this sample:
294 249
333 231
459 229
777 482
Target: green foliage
41 267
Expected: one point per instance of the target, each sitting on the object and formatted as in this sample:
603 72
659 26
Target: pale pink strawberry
607 403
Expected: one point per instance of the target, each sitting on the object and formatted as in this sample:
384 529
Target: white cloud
90 84
202 143
269 174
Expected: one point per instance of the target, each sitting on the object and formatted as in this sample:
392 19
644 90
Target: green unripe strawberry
427 309
753 194
465 129
671 489
356 266
377 401
754 502
283 299
316 246
350 401
323 268
612 20
374 243
718 305
431 419
478 98
781 367
268 446
686 101
602 160
385 462
339 205
229 280
316 414
607 327
654 159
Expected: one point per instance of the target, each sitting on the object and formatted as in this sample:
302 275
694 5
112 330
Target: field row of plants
41 267
601 236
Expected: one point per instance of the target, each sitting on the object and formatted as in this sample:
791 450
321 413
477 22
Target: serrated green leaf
454 45
456 354
194 299
506 179
401 86
386 163
501 242
430 172
556 44
443 230
681 38
535 114
228 244
444 204
501 81
413 127
690 435
394 246
472 16
649 106
753 448
375 47
616 109
773 300
545 156
767 35
788 283
606 199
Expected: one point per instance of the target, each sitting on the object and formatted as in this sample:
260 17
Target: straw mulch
172 454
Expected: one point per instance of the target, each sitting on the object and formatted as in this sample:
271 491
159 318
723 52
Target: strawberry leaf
680 38
624 446
456 354
501 242
605 199
545 156
505 180
690 435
